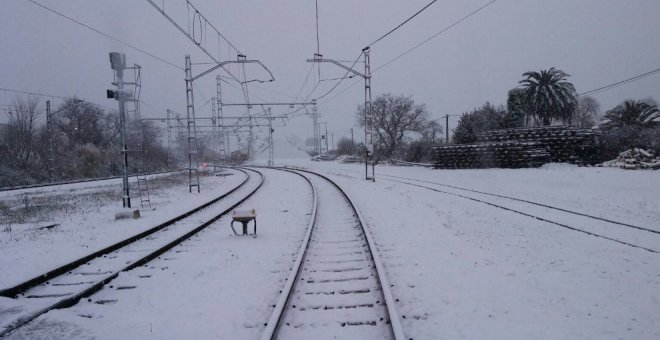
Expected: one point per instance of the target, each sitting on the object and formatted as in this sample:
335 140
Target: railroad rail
40 185
65 286
337 287
609 229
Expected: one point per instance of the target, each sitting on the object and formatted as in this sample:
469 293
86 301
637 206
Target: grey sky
597 42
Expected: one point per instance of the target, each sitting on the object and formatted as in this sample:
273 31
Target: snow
459 268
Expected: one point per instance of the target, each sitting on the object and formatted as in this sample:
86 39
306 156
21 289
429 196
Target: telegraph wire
437 34
106 35
619 83
399 26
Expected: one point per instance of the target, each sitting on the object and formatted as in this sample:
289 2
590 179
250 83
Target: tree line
404 130
85 142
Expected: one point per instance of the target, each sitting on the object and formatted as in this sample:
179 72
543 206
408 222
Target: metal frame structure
271 152
118 64
190 112
369 130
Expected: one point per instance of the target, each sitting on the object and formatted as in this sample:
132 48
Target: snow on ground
84 217
460 269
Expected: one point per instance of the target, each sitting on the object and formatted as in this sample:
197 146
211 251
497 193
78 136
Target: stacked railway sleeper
65 286
336 289
519 148
488 155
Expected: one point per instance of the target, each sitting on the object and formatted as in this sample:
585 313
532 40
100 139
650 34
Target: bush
346 146
617 140
487 117
419 151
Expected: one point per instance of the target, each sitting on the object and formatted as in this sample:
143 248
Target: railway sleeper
359 323
358 278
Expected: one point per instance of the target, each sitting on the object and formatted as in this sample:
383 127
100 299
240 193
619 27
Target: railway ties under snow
66 285
337 287
608 229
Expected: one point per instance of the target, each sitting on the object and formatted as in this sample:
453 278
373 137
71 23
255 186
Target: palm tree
548 96
631 113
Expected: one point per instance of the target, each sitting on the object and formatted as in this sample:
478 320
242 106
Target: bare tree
393 118
20 131
587 112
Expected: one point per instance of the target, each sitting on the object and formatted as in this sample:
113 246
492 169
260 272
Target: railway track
337 287
66 285
41 185
646 238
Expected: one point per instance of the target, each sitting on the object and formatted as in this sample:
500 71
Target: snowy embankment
459 268
43 228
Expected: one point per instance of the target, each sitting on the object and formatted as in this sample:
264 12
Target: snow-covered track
65 286
609 229
337 287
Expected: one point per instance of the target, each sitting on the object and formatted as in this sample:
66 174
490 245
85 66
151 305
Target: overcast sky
597 42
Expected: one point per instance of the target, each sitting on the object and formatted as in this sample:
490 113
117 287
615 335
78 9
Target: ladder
143 186
133 111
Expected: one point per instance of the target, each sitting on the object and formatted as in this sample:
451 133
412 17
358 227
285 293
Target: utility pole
368 119
169 140
325 136
118 64
271 152
179 138
51 158
447 129
315 122
447 126
368 114
214 123
193 161
222 148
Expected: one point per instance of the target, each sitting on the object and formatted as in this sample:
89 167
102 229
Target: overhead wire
452 25
311 68
106 35
435 35
340 79
401 24
619 83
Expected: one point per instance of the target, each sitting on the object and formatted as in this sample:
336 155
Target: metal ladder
143 186
133 111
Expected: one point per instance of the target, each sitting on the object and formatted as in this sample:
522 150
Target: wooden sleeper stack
521 148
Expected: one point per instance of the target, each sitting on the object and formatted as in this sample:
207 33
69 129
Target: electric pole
271 152
315 119
51 158
446 129
368 114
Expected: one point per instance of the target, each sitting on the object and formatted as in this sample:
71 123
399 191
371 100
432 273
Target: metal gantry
369 130
190 111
